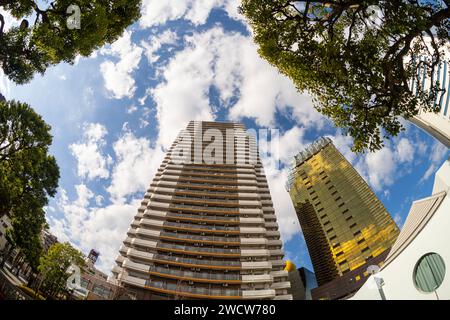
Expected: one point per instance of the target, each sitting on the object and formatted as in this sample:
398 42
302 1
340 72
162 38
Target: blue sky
114 113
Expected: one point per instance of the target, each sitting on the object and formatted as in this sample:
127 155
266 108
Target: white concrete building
436 124
5 223
418 266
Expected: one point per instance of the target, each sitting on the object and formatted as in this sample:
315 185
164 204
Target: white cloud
91 162
118 76
290 143
99 200
405 151
344 144
380 168
438 153
89 227
398 220
228 62
156 12
168 37
131 109
136 164
84 195
183 96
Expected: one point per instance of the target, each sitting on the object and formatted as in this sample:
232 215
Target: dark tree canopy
28 175
44 38
54 267
356 58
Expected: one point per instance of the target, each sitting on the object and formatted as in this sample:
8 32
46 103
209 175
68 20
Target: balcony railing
204 207
202 217
201 238
176 288
195 275
200 262
199 249
208 228
206 198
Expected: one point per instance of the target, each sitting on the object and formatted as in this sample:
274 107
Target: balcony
201 228
258 294
199 263
193 292
148 232
141 255
203 218
196 238
252 230
128 264
255 253
195 276
257 278
197 249
279 274
280 285
257 265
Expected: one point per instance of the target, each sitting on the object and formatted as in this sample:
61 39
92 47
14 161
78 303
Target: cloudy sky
114 114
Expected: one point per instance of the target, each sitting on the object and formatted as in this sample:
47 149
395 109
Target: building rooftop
304 155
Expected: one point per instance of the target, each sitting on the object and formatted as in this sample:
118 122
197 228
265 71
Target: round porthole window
429 272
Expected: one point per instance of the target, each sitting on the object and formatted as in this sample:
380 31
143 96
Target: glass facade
343 222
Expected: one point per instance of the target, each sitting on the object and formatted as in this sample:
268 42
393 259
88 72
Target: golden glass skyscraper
346 227
207 227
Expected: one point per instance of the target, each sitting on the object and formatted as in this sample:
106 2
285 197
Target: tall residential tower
346 227
206 228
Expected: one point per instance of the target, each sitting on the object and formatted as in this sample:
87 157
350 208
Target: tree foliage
28 175
357 58
55 264
33 46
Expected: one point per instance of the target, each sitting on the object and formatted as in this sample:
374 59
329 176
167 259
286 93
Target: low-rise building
5 223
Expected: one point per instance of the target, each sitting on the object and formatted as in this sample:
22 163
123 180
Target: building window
429 272
84 283
101 291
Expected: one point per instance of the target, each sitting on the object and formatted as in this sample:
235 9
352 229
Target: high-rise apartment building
346 227
206 227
